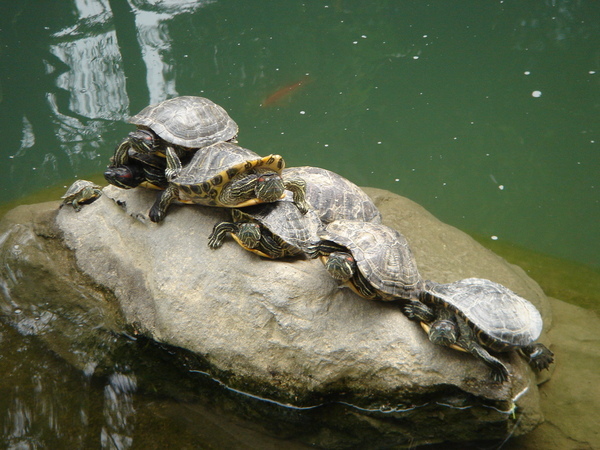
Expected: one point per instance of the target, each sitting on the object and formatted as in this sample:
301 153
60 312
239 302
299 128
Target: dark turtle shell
381 253
188 121
501 319
333 196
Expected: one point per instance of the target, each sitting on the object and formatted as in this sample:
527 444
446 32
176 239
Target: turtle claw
499 375
540 357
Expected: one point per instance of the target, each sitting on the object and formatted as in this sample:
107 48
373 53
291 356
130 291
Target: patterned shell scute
381 253
222 161
188 121
333 196
493 309
283 219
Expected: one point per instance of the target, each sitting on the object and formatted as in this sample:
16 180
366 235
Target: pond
485 113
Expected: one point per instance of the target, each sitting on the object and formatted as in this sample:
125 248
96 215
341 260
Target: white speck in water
501 187
326 145
283 132
364 36
416 57
592 72
536 94
527 72
355 42
397 179
591 142
424 35
18 311
185 56
443 184
455 138
302 112
494 238
378 142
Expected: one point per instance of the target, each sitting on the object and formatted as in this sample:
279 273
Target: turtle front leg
468 341
173 164
539 356
163 200
76 206
121 155
418 311
219 233
298 187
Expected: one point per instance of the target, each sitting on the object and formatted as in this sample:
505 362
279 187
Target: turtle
81 192
476 315
333 196
373 259
227 175
182 123
272 230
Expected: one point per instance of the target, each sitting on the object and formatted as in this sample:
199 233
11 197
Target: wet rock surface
282 330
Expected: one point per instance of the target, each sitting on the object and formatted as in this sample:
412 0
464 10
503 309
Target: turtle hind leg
540 357
468 341
298 187
163 200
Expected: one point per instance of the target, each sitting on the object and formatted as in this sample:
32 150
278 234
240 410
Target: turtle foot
540 357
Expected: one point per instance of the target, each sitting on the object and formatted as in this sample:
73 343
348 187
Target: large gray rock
279 329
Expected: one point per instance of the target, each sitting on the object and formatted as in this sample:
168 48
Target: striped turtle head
340 265
269 187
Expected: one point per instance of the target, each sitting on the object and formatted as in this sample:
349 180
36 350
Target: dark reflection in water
144 400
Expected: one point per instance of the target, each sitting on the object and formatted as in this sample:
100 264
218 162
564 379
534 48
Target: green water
484 112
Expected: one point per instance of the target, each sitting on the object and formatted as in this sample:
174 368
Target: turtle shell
284 220
381 253
333 196
76 188
212 167
188 121
501 319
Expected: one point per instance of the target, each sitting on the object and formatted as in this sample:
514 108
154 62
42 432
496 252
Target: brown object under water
285 92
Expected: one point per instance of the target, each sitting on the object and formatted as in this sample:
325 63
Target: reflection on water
118 411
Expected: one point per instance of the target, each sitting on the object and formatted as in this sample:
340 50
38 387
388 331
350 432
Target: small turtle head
443 332
143 141
125 177
269 187
249 234
340 265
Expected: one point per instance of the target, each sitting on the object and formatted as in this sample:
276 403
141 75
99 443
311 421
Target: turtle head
125 177
269 187
443 332
249 234
340 265
143 141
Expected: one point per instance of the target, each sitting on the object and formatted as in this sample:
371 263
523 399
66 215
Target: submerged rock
282 330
